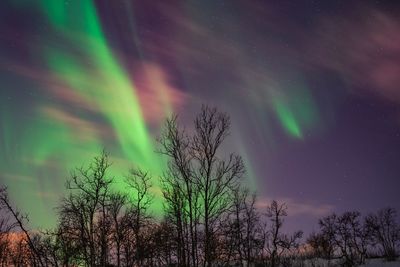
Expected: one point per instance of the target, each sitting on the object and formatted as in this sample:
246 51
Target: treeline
209 219
353 239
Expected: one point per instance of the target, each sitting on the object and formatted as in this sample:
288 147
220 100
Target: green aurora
37 157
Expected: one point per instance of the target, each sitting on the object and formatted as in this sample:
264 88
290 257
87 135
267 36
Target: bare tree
128 238
201 176
6 227
5 231
164 238
140 199
253 236
242 232
19 221
322 245
59 246
233 228
175 206
180 189
116 203
384 231
348 236
277 242
215 177
82 210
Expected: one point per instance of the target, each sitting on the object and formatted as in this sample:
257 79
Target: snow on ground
369 263
380 262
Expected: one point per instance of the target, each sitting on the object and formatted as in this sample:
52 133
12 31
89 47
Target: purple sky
312 88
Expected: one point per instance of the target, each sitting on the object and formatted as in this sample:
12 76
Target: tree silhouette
278 243
199 177
347 235
140 199
384 232
210 218
83 211
20 221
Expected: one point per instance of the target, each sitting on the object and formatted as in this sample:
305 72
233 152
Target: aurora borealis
311 88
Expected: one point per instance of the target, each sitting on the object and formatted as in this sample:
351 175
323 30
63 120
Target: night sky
312 88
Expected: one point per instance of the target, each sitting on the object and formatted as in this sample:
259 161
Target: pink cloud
85 130
364 49
296 207
52 85
157 96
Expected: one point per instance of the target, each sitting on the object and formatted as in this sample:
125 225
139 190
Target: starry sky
312 88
